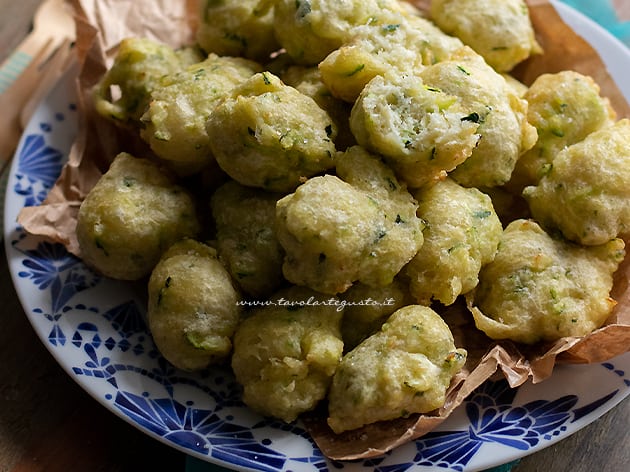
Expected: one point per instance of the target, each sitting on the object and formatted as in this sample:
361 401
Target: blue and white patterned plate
94 328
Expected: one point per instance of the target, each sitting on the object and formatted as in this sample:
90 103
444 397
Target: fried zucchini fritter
174 124
362 228
461 235
124 92
267 134
564 107
542 289
504 132
499 30
285 354
246 237
585 193
405 368
310 29
192 309
237 28
421 131
131 216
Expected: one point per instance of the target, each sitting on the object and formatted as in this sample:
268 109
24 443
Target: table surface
48 423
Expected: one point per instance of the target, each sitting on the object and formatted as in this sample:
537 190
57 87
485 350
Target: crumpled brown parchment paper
101 24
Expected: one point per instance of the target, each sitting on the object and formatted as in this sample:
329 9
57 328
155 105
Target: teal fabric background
602 12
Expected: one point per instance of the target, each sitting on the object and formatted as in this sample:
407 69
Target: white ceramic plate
94 328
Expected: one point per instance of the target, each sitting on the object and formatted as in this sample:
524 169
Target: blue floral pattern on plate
96 330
